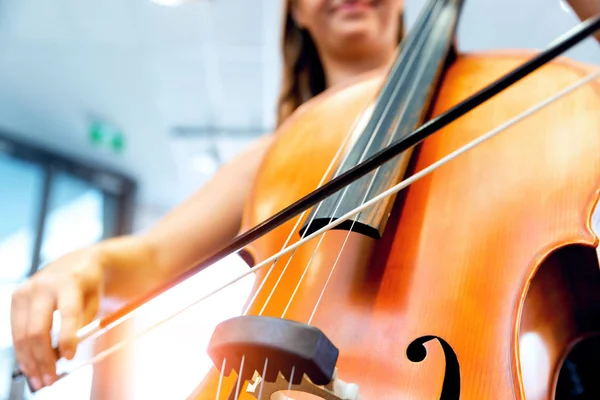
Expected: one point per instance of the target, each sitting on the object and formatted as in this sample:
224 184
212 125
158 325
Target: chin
354 31
357 37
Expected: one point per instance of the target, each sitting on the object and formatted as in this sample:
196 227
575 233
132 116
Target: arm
586 9
193 231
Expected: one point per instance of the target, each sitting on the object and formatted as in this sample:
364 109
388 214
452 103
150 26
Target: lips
352 5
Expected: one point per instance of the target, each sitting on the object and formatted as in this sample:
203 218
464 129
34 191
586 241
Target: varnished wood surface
462 245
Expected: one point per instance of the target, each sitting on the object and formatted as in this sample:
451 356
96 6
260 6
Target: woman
326 43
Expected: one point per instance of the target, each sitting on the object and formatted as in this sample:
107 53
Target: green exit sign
105 136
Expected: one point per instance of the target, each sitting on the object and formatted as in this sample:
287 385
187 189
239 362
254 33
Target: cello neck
401 106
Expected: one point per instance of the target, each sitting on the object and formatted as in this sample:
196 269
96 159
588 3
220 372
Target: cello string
428 13
328 278
291 379
395 189
220 379
413 88
262 380
239 378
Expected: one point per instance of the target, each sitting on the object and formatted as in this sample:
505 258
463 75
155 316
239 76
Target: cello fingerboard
401 106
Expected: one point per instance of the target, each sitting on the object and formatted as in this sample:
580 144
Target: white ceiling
142 67
206 64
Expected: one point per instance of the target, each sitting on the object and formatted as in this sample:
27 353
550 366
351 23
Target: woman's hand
72 285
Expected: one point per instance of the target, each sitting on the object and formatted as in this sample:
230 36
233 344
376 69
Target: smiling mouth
353 5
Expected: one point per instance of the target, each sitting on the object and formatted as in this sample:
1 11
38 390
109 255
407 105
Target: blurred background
114 111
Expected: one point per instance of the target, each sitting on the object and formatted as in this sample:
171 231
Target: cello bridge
335 390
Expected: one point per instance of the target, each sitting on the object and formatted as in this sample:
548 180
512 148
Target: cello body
486 274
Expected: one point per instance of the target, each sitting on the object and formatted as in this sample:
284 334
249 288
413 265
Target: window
20 192
75 217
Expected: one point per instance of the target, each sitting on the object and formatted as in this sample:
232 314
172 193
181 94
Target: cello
365 290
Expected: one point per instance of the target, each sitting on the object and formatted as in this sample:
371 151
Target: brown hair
303 75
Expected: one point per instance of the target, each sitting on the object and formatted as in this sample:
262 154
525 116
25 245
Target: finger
70 306
90 310
19 315
38 332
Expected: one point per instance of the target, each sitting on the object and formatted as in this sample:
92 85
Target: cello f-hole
416 352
